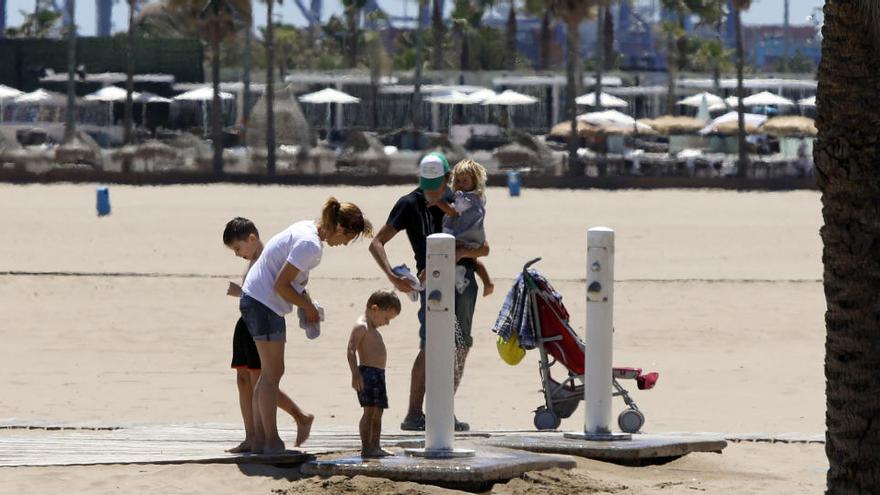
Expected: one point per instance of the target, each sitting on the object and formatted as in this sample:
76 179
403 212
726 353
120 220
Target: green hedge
181 58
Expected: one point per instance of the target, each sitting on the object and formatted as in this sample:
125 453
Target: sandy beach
124 320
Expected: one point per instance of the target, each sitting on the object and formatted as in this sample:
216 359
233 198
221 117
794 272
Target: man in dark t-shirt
414 214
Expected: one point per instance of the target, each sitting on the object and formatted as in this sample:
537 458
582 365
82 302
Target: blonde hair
345 215
477 173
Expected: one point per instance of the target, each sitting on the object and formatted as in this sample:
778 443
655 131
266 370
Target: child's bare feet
386 453
242 448
488 289
304 429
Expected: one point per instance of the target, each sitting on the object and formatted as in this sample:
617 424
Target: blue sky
762 11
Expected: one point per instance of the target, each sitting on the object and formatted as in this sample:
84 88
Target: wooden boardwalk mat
22 445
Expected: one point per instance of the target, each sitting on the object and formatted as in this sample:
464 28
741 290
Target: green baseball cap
433 168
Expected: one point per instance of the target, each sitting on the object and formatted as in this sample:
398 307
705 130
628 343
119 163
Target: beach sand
718 291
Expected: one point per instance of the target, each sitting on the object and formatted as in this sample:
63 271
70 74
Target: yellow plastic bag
510 351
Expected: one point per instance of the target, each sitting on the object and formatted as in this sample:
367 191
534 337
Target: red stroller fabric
569 349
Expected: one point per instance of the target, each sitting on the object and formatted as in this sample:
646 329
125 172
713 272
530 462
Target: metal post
599 337
439 350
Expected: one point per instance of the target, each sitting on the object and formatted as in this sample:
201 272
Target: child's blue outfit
467 227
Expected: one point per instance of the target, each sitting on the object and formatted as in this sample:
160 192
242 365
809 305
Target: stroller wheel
630 420
546 420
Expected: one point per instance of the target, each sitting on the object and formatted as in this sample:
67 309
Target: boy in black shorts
366 358
242 237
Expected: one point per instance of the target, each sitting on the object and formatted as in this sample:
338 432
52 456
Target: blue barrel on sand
103 201
513 183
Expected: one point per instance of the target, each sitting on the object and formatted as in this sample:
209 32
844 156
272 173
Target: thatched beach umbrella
524 152
670 124
291 127
363 152
732 128
562 130
795 126
82 149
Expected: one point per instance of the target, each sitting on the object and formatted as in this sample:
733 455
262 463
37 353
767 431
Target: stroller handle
530 263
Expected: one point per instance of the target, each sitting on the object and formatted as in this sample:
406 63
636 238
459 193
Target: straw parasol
562 130
82 149
732 128
669 124
290 124
790 126
363 153
524 152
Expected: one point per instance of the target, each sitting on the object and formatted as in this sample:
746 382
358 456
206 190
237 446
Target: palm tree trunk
129 77
464 58
544 53
351 53
849 178
575 165
742 166
608 47
417 90
600 65
270 90
70 114
510 38
670 74
600 58
216 105
246 80
437 36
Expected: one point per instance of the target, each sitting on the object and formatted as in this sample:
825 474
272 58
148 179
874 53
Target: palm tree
70 114
572 13
222 19
129 76
269 42
353 9
510 38
538 8
437 35
417 90
672 29
743 162
849 178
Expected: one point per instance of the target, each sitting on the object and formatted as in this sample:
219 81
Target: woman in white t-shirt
273 286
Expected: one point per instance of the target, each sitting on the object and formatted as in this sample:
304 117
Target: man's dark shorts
374 393
244 350
263 324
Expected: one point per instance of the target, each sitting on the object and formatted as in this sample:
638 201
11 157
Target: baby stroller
558 343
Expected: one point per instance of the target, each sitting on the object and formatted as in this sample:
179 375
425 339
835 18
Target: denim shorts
263 324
